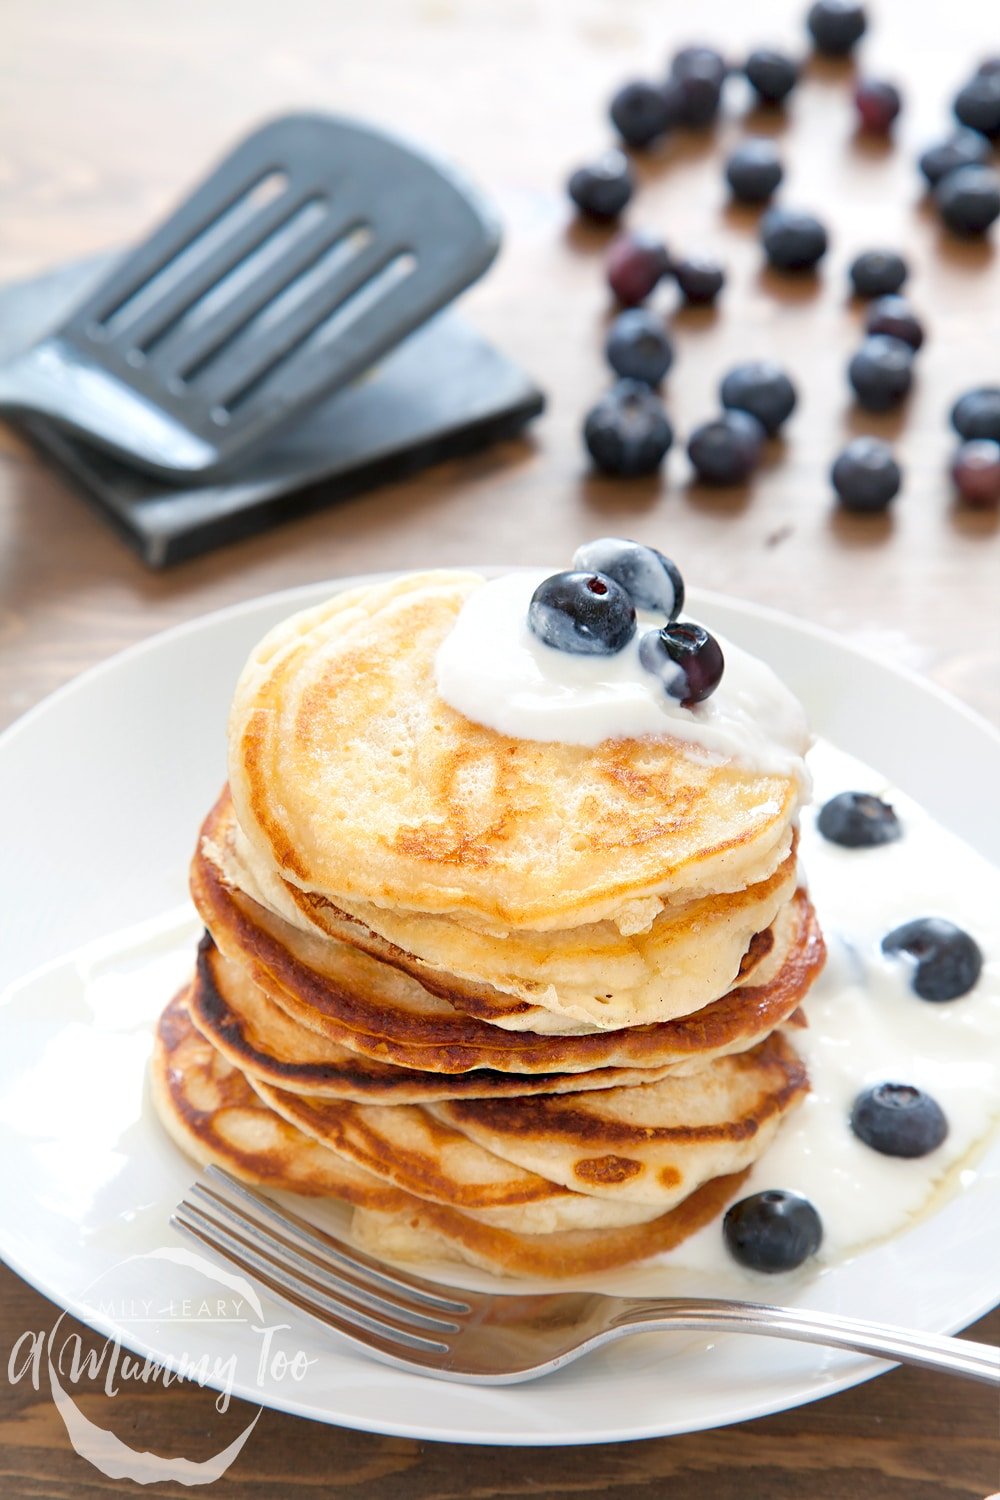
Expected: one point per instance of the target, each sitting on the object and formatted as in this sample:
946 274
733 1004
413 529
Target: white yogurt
492 669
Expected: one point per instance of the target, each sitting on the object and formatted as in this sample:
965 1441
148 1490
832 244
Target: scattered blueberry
858 820
969 199
792 241
602 189
628 432
727 449
976 471
977 104
702 60
586 614
966 148
699 277
686 659
976 414
637 346
694 95
878 103
754 171
651 580
866 477
640 113
898 1119
761 388
636 262
836 26
771 74
877 273
881 372
948 960
895 316
772 1231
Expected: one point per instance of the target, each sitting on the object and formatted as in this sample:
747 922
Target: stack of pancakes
516 1002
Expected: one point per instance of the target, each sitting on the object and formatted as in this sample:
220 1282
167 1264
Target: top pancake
355 780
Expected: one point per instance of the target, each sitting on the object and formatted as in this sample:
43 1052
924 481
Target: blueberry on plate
881 372
858 820
727 449
754 171
700 59
976 471
700 279
627 432
877 103
761 388
772 75
976 413
866 476
640 113
877 273
772 1231
948 961
651 580
977 104
836 26
968 199
895 316
694 87
636 261
586 614
898 1119
687 660
603 188
793 241
637 346
966 148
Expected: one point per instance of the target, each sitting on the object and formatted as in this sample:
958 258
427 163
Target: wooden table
110 109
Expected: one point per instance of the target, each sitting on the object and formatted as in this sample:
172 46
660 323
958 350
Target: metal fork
490 1339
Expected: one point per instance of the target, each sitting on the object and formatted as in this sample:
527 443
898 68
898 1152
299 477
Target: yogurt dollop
491 668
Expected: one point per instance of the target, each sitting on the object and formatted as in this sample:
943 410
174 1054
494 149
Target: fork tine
315 1269
340 1312
391 1278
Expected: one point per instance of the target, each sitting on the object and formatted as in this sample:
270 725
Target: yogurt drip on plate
493 670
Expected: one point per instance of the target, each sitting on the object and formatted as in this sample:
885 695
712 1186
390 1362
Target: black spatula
315 247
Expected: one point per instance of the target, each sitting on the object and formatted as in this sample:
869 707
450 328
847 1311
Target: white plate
105 784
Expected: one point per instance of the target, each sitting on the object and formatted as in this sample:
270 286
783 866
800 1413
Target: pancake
650 1144
356 782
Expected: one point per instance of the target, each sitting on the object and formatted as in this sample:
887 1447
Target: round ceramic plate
106 783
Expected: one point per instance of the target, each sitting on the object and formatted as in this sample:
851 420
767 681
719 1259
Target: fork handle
930 1350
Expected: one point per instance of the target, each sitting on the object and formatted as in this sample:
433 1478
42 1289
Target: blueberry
586 614
761 388
701 60
966 148
636 262
753 171
686 659
640 113
694 95
866 477
976 471
727 449
772 1231
881 372
898 1119
772 75
977 104
836 26
638 347
968 199
651 580
895 316
990 67
700 279
858 820
792 241
602 189
976 414
877 103
948 960
877 273
628 432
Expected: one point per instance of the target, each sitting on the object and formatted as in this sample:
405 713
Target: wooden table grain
107 111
